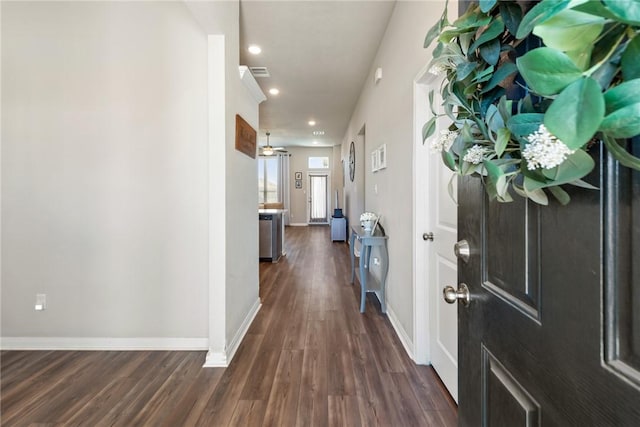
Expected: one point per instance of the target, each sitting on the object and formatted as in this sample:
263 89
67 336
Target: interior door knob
427 236
451 294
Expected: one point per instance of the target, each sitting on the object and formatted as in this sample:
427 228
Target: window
318 163
268 180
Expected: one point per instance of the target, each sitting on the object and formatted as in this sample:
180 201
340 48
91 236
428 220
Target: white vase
368 225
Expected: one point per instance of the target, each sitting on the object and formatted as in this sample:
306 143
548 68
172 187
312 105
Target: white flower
437 69
444 141
368 216
475 154
545 150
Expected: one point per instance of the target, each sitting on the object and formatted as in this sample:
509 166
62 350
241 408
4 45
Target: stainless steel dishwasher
270 237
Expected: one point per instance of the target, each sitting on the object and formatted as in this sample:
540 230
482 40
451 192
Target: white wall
242 197
234 215
123 197
299 162
386 110
354 192
104 170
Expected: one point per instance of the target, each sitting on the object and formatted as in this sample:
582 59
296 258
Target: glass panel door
318 197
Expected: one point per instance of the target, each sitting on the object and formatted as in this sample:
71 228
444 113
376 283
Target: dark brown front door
552 333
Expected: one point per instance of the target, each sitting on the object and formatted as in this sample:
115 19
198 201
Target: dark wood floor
309 359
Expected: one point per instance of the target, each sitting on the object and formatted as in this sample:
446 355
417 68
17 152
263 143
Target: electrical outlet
41 302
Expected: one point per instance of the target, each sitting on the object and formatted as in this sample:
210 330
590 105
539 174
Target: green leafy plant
525 121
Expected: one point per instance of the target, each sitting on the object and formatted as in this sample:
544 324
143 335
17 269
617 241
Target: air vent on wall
260 72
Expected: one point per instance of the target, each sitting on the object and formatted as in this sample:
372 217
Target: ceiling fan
268 150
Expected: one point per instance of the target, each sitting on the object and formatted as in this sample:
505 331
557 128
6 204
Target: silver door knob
451 295
462 250
427 236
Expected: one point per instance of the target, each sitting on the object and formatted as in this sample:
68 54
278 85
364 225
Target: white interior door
435 264
442 270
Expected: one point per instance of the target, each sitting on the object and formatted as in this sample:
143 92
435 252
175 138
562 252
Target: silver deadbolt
462 250
427 236
451 295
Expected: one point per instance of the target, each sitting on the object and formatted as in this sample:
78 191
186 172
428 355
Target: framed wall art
382 156
246 137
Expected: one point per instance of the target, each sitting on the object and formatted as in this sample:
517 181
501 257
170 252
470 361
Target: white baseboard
237 339
406 341
222 359
109 344
298 224
216 360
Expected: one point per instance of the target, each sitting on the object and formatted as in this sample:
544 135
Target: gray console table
367 242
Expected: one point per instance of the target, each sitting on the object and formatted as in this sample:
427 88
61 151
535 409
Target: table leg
363 277
385 270
352 249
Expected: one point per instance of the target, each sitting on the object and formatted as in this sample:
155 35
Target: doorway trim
328 201
218 354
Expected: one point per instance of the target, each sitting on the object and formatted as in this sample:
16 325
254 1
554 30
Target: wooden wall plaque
246 137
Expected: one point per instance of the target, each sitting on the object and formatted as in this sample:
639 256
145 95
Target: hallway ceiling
318 54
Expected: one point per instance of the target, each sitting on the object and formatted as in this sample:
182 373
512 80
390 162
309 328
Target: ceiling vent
260 72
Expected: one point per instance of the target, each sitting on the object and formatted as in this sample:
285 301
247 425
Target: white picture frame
382 156
374 161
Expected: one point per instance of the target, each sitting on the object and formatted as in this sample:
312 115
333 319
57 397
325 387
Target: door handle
451 294
462 250
427 236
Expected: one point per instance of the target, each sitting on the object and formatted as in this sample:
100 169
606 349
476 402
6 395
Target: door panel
446 212
622 301
507 401
574 267
447 343
512 275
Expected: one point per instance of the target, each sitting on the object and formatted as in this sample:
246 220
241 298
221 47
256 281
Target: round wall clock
352 162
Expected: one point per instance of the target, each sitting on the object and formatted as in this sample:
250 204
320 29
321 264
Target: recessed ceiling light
318 132
255 49
274 91
312 122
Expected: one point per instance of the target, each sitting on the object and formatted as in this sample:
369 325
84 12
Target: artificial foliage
528 91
